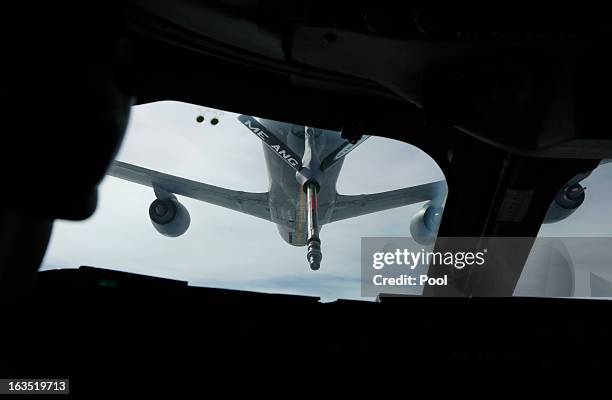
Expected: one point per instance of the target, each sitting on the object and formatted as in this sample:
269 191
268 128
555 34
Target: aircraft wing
354 206
255 204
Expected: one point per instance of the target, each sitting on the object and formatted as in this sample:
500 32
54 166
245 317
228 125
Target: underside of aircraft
315 201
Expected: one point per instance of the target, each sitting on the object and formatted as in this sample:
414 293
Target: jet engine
169 217
569 198
425 223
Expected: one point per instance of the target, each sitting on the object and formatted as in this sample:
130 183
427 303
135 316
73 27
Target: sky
224 248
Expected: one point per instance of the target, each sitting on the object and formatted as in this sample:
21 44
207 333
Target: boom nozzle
307 177
314 254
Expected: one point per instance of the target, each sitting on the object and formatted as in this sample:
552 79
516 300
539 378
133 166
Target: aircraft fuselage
288 206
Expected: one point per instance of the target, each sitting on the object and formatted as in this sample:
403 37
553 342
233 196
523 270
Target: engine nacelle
565 203
169 217
425 223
